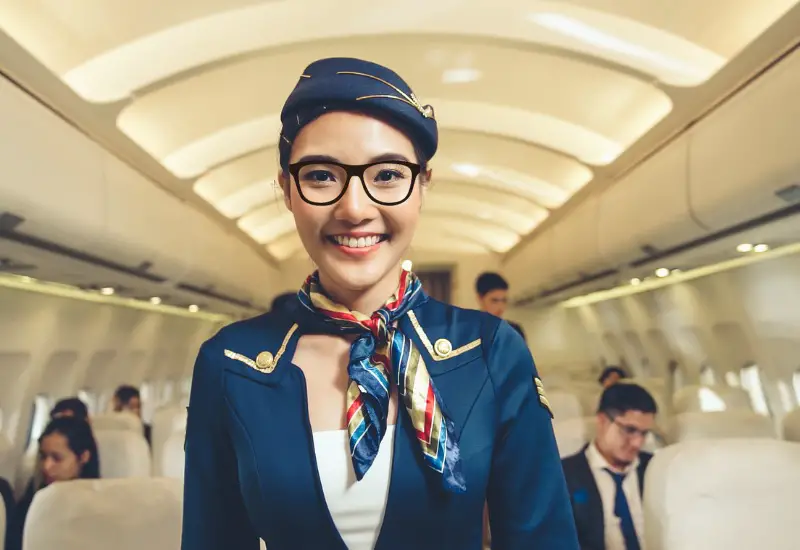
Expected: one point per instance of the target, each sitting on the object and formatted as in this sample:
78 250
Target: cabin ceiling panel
532 98
112 49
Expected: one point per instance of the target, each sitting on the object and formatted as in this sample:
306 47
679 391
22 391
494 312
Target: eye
321 176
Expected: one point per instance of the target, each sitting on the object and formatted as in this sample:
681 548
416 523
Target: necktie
381 356
623 512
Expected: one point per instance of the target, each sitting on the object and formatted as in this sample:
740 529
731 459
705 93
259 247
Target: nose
48 465
355 206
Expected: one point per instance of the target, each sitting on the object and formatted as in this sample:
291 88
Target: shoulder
457 329
574 460
249 337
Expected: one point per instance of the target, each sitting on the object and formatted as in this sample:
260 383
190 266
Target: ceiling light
662 272
107 291
155 300
193 308
469 170
460 76
636 281
406 265
760 248
745 247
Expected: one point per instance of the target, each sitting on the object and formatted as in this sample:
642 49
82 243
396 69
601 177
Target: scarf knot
381 357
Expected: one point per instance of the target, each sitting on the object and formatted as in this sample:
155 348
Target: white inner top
356 507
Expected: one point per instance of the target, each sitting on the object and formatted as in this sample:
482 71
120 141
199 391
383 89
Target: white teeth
360 242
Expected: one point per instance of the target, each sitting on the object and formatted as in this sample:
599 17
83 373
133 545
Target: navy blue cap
348 84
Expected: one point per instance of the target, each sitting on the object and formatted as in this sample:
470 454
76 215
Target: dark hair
73 404
79 438
489 281
126 393
608 371
621 398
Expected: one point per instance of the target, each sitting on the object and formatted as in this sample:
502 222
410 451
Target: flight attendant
366 414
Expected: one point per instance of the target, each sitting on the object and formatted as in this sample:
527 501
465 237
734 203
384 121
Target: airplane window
796 384
710 401
732 380
41 416
677 376
707 376
751 381
88 397
787 399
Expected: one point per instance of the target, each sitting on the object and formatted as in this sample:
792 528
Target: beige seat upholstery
572 434
123 454
711 399
117 421
165 421
719 425
723 495
566 405
173 457
791 426
123 514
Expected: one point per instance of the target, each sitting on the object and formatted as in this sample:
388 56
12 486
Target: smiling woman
363 406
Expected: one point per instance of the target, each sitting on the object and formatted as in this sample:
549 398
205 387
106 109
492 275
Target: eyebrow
385 157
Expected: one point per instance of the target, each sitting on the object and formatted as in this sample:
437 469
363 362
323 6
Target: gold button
442 347
265 362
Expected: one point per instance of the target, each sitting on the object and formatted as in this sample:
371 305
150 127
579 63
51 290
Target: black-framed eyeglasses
322 183
628 430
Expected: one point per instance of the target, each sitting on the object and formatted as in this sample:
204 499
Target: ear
84 457
284 180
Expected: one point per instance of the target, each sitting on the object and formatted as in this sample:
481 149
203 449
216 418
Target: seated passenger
70 407
128 398
67 451
606 478
492 291
611 375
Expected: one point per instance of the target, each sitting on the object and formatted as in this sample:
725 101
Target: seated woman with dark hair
67 451
72 407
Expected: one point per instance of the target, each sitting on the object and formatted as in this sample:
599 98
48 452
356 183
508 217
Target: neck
364 300
615 464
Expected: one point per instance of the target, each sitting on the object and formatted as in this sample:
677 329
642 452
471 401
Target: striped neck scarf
382 356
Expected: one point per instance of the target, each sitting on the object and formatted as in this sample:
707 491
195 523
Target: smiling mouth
357 242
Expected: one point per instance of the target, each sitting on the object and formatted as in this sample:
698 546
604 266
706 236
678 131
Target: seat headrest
723 494
123 454
117 421
124 514
720 425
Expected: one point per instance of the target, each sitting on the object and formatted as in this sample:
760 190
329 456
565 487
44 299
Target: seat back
117 421
572 434
98 514
565 405
719 425
173 458
722 495
166 420
123 453
8 458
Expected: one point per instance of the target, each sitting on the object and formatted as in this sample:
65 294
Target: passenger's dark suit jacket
584 496
251 468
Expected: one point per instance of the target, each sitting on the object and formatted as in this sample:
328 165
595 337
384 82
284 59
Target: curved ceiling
532 98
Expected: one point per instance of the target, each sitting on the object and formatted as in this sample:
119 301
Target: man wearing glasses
606 478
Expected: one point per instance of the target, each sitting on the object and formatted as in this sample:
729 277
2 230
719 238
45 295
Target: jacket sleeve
214 515
529 506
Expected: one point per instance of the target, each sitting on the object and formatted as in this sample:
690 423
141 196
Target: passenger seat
99 514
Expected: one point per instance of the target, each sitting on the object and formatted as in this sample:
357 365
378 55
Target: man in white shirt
606 478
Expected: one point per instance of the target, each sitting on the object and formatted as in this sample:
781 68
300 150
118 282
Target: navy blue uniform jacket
251 468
